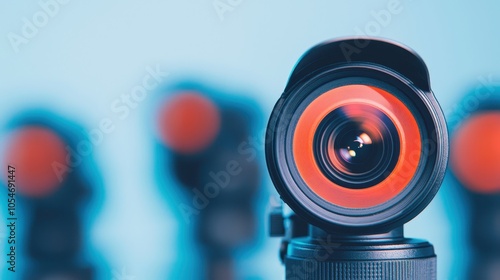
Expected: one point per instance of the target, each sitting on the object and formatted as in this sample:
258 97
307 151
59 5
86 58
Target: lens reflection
357 146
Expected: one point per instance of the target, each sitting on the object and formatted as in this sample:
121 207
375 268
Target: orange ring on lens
390 187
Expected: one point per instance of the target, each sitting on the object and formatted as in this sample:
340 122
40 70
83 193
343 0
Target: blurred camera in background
205 145
51 181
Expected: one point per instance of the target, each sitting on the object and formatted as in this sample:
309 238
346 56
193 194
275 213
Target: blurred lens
39 156
356 146
188 122
476 152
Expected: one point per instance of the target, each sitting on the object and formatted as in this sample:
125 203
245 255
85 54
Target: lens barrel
357 142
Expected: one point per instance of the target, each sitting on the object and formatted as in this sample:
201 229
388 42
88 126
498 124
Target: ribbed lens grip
419 269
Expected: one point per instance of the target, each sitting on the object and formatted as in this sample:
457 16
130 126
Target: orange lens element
409 154
33 151
475 153
188 122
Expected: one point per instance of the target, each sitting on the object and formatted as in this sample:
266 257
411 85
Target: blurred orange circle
188 122
475 153
39 158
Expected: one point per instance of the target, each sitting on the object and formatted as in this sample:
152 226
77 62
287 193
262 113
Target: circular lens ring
318 109
364 120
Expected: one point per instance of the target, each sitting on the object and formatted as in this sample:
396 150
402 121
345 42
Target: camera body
357 146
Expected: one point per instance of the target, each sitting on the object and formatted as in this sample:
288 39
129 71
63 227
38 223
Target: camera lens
347 145
356 146
357 142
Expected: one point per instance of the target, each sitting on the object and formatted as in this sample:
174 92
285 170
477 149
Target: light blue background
91 52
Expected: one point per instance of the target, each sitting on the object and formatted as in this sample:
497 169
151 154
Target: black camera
356 146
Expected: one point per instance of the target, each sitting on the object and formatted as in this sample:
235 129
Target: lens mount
356 146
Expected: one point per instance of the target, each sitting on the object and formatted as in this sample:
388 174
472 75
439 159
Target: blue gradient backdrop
89 53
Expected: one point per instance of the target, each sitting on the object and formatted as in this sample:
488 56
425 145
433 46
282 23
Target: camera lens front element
356 146
348 148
